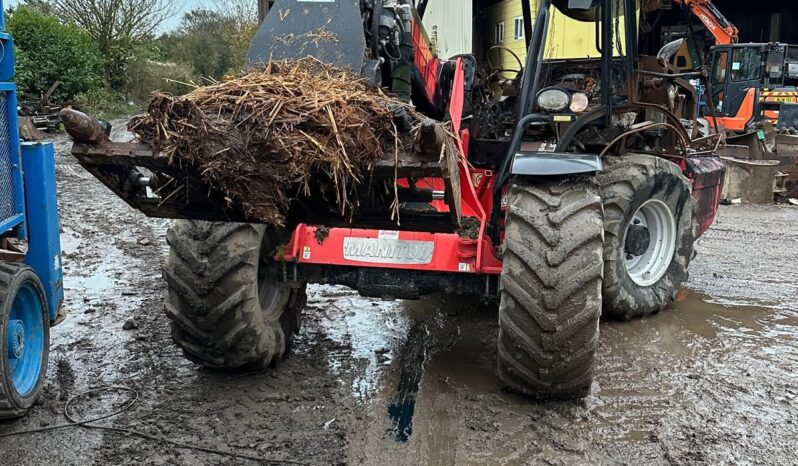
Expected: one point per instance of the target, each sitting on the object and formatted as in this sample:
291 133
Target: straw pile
260 138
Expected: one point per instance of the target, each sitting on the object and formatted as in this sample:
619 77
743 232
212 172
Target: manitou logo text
389 251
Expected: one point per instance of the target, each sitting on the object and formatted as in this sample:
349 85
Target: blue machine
31 287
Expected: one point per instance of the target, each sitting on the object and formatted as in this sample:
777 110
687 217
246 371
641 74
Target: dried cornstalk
263 137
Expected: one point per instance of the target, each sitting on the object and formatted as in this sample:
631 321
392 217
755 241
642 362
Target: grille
7 201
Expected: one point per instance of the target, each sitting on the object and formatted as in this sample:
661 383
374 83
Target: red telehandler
573 191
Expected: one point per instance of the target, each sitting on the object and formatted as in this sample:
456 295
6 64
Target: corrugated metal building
450 25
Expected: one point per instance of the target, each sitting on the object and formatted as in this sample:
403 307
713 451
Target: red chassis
452 252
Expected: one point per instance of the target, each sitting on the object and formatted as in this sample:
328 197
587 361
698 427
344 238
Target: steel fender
552 163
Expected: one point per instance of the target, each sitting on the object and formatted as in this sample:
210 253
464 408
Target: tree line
110 54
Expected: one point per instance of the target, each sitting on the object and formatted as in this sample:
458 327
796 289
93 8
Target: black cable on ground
89 424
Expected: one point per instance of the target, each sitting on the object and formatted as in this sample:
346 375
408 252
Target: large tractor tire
227 312
551 287
24 339
650 226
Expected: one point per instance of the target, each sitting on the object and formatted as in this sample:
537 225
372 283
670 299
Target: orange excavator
746 82
688 53
724 31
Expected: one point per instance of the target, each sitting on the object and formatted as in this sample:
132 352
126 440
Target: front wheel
24 339
227 309
551 287
649 232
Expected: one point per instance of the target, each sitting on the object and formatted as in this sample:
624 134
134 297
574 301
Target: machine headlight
553 100
579 102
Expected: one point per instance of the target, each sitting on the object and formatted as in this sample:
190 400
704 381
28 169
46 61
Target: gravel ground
710 381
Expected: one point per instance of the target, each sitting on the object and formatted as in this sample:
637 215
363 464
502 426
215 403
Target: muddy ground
714 380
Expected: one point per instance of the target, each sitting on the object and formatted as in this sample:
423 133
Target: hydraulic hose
403 67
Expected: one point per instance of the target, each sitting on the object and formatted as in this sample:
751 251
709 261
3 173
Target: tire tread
551 288
622 182
9 407
211 300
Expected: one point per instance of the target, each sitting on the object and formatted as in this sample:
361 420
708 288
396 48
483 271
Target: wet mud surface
714 380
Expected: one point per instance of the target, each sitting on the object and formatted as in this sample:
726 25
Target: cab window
746 65
720 67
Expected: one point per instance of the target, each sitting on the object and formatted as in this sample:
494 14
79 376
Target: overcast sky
171 23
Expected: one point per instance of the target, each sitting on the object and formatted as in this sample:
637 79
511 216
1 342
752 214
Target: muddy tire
226 311
650 227
24 339
551 288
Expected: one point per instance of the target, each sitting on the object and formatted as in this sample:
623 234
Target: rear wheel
649 232
551 287
24 339
227 311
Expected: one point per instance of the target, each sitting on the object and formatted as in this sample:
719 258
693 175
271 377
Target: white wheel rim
646 267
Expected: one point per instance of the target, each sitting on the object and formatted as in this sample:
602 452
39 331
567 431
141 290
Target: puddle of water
650 368
70 241
695 321
414 354
368 331
647 370
463 365
403 408
98 299
105 281
457 366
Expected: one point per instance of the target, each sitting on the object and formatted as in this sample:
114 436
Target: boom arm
720 27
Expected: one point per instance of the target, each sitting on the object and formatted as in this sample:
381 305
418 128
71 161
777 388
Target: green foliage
105 104
115 79
122 29
152 76
201 42
48 51
122 59
212 42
